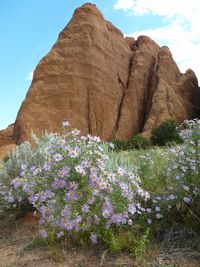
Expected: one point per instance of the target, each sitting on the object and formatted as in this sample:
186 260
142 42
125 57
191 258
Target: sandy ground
18 249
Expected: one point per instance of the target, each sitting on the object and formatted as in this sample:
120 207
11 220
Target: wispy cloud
29 76
181 32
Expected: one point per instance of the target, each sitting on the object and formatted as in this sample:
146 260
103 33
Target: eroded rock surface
7 144
105 84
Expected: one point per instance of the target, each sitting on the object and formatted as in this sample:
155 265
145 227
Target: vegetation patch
81 188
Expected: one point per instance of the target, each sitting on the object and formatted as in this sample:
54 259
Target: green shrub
184 172
135 142
74 191
138 142
165 133
120 144
152 165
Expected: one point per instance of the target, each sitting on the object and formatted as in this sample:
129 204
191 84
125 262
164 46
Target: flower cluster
74 190
180 174
184 168
77 187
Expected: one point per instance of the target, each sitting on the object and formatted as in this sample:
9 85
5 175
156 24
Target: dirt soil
18 248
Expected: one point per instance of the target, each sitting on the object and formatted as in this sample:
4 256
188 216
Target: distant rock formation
105 84
6 141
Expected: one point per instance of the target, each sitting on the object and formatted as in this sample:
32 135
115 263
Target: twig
103 257
27 245
193 213
17 230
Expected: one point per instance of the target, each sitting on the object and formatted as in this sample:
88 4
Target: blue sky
29 28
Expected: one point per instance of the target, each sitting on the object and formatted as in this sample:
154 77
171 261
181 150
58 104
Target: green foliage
138 142
135 142
165 133
142 243
152 165
170 174
120 145
135 240
184 174
6 158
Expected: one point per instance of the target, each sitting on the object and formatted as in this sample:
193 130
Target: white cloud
186 8
124 4
30 76
181 34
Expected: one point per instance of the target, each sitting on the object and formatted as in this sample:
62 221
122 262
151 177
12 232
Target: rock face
6 141
6 135
105 84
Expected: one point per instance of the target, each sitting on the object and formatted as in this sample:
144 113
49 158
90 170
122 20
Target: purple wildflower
91 200
43 233
187 200
106 212
60 234
158 216
66 123
80 170
71 195
118 219
73 185
58 157
93 238
17 182
64 172
157 208
47 166
96 219
149 221
130 222
85 208
61 142
75 132
73 153
58 183
132 209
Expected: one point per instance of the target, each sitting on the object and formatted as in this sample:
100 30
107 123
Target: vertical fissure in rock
119 107
151 88
123 95
196 101
168 102
88 110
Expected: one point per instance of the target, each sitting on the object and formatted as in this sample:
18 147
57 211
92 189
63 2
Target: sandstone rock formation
6 141
105 84
6 135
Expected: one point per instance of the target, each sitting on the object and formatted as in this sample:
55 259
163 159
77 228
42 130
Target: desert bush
172 176
152 165
138 142
175 178
184 172
74 191
135 142
120 144
12 167
166 132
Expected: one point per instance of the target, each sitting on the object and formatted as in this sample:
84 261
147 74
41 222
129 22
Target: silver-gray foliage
24 154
